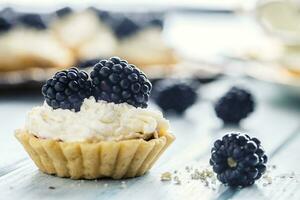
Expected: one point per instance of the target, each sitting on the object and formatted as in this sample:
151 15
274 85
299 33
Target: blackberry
62 12
32 20
114 80
175 95
235 105
67 89
238 160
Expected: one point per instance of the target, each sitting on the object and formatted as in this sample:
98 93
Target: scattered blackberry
235 105
238 160
62 12
114 80
32 20
175 95
67 89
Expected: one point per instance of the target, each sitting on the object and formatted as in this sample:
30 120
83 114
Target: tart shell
87 160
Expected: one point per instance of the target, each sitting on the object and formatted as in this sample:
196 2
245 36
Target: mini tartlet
24 48
51 41
83 131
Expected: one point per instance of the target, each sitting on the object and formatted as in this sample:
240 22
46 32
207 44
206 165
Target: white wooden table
276 122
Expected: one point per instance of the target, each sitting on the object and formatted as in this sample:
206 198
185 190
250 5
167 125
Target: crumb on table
177 181
166 176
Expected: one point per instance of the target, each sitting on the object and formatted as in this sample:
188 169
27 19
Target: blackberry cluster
175 95
235 105
238 160
32 20
67 89
114 80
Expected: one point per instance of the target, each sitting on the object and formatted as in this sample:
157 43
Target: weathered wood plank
195 133
285 177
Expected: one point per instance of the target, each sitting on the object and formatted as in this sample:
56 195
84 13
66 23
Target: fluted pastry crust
91 160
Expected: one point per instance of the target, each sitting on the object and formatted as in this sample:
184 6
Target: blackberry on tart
115 80
67 89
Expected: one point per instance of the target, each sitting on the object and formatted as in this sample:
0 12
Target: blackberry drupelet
238 160
175 95
67 89
32 20
114 80
235 105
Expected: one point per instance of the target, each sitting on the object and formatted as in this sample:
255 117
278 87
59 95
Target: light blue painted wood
273 122
285 176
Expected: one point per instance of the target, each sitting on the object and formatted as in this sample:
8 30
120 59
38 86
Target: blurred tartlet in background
134 36
85 35
27 43
68 37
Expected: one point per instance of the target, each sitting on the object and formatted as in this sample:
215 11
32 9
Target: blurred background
202 40
193 51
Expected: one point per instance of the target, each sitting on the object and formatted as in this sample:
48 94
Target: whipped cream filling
95 121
